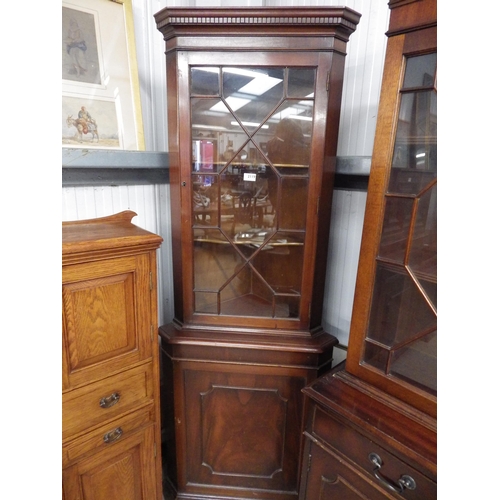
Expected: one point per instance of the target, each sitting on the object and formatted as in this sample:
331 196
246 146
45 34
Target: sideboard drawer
106 435
109 398
358 448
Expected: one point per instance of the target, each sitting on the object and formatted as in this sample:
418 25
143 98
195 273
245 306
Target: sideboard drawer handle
405 482
110 400
112 436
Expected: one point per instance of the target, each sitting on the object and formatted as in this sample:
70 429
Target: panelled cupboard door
106 317
241 428
125 471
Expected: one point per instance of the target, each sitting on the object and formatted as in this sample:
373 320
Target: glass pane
251 94
292 209
280 262
417 363
287 306
205 81
215 260
290 146
399 311
400 318
395 231
409 181
301 82
423 250
247 295
416 144
205 207
420 71
377 356
205 135
206 302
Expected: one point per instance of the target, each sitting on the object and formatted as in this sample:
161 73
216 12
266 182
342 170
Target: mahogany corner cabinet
254 99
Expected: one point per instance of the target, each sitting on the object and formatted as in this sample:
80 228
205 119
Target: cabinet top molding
105 237
290 21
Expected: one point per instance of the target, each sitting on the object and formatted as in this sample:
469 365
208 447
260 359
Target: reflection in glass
301 82
416 363
422 260
400 312
250 157
420 71
205 81
395 230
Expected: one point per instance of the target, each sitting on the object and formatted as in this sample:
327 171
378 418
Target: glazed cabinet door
124 471
106 317
394 327
252 185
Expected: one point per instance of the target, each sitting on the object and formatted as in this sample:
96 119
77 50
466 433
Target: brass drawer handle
110 400
405 482
113 436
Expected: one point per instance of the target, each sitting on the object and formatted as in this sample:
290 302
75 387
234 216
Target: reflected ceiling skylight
259 84
233 102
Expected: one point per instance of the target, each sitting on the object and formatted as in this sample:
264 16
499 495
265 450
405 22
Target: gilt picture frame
101 106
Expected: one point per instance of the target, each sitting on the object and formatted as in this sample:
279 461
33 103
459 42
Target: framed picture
100 85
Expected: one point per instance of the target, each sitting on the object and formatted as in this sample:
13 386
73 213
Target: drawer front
106 436
107 399
330 478
359 448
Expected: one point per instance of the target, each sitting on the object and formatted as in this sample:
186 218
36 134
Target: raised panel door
106 317
242 427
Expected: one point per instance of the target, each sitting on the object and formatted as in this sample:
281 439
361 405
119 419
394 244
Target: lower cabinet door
327 477
124 471
242 430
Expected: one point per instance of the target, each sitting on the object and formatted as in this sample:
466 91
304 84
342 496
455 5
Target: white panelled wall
362 81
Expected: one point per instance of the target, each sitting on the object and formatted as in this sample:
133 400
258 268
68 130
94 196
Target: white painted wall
363 74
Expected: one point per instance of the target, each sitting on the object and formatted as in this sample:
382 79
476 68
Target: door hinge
309 462
328 81
151 280
155 449
152 332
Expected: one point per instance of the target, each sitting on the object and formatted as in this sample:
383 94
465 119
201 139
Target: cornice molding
270 21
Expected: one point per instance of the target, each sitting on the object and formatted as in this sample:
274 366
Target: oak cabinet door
125 471
106 317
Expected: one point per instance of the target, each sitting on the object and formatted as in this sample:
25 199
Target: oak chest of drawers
110 399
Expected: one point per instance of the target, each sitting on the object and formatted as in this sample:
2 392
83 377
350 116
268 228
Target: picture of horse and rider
84 125
89 122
